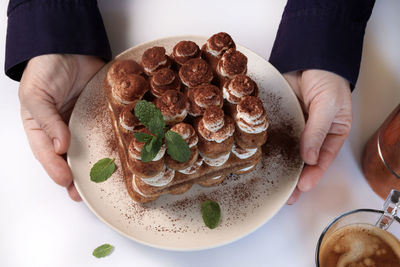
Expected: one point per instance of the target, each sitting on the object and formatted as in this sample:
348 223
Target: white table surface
41 226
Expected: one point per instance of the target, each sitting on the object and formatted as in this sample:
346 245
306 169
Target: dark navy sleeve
322 34
37 27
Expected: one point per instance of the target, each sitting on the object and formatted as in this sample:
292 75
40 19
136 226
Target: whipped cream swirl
163 76
216 177
246 168
232 63
251 116
173 105
215 126
194 168
202 97
243 153
238 87
156 66
176 117
122 122
187 132
121 68
186 49
154 58
216 161
161 179
130 88
135 150
127 118
136 188
218 43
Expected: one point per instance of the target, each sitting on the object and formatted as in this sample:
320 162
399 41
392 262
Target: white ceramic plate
175 222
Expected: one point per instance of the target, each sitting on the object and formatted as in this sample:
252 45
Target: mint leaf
102 170
150 116
211 213
151 148
157 124
102 251
145 111
143 137
177 147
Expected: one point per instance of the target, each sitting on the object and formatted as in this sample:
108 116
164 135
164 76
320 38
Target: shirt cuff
319 39
39 27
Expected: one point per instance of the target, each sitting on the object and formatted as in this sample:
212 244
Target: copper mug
381 156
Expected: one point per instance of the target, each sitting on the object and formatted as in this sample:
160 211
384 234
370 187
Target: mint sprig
151 117
102 251
211 213
102 170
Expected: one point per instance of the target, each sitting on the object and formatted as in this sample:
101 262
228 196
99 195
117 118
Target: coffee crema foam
359 245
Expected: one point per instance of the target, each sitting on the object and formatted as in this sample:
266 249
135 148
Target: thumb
321 114
42 108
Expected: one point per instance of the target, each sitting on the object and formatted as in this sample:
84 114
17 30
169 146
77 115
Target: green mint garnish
151 148
102 170
151 117
177 147
143 137
157 124
211 213
102 251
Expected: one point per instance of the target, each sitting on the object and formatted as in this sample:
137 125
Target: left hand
326 101
49 87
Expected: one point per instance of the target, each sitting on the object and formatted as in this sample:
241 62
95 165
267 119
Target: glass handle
390 208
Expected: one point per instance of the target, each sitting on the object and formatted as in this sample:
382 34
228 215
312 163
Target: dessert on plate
183 51
204 100
216 46
163 80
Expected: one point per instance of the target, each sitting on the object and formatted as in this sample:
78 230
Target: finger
293 80
311 175
43 149
73 193
322 112
42 109
294 197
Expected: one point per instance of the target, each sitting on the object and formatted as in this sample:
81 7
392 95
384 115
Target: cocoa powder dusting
282 141
238 195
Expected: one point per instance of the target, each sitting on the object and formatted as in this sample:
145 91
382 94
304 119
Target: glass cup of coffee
363 237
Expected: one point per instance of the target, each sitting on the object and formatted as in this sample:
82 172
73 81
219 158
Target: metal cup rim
321 237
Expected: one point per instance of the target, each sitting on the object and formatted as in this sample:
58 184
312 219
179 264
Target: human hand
49 88
326 102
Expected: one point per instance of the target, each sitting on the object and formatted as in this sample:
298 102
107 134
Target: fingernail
312 156
56 144
290 201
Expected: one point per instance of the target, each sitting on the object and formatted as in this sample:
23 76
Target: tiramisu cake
205 97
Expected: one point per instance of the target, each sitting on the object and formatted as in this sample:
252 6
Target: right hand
326 101
49 88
